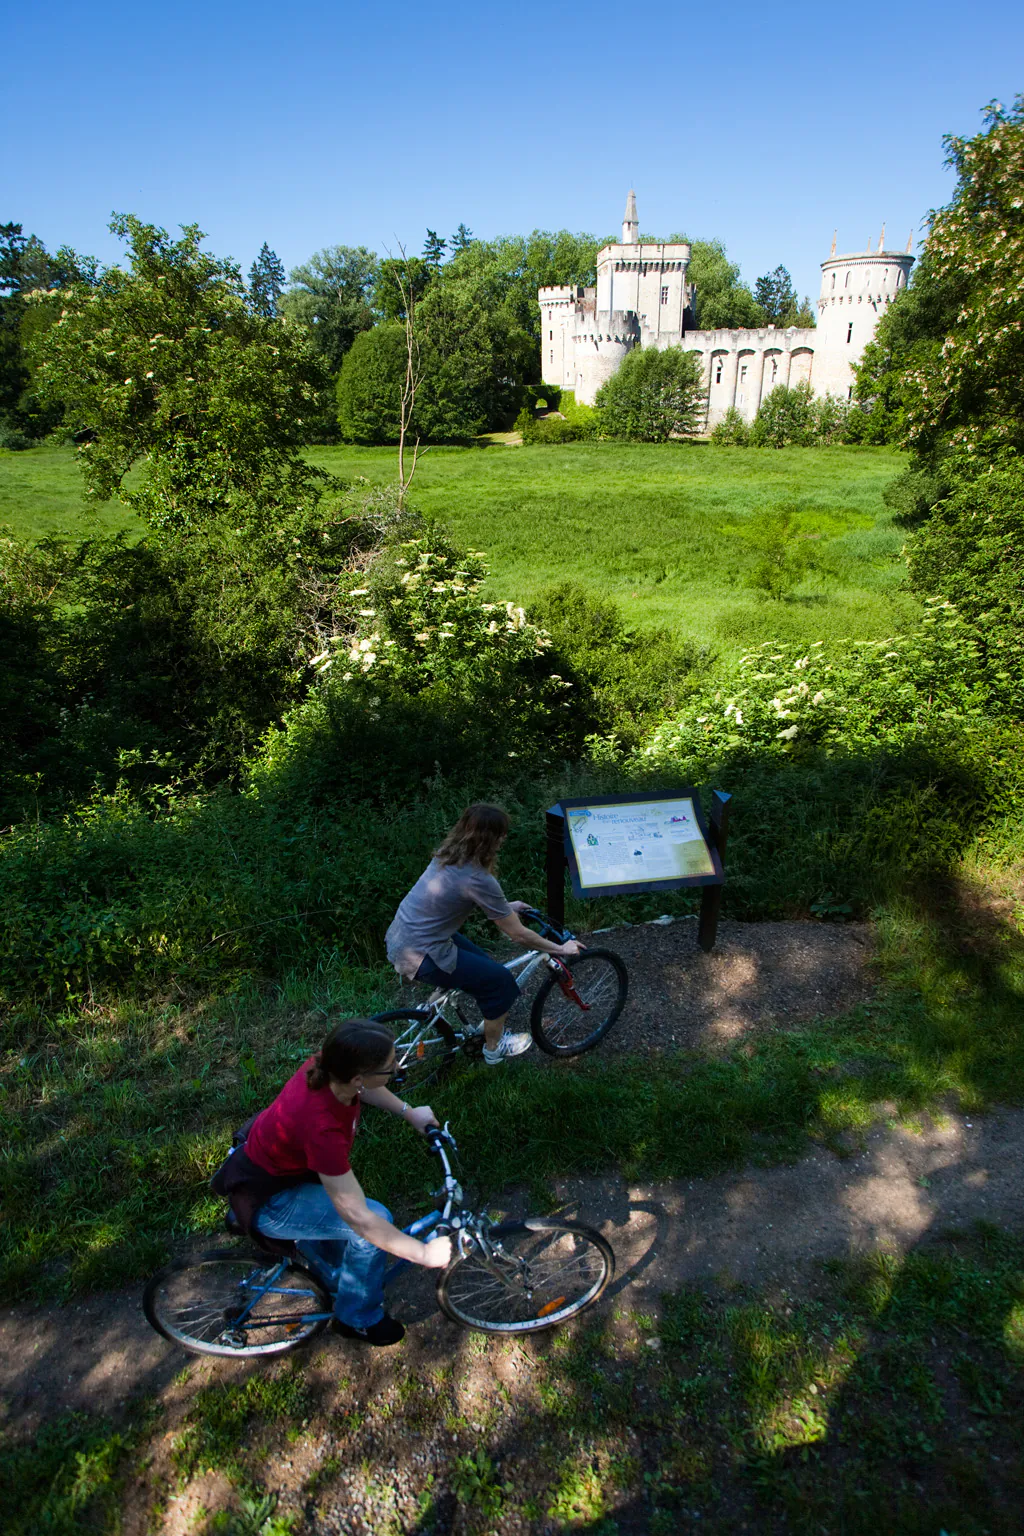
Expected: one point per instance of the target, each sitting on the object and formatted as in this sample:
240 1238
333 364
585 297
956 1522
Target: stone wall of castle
644 298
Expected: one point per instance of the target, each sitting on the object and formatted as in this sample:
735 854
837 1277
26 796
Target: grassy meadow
662 529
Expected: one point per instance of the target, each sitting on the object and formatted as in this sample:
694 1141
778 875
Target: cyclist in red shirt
294 1169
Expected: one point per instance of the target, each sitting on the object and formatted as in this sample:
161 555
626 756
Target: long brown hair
351 1047
475 837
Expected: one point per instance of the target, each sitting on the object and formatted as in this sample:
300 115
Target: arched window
718 371
849 331
833 280
847 283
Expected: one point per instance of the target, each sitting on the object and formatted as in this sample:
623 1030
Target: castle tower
630 224
855 292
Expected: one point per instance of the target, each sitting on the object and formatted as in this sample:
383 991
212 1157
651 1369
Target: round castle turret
855 292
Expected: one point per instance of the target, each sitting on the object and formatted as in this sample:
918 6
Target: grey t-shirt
435 908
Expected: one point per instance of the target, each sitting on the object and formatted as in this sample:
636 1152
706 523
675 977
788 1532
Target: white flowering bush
425 675
786 700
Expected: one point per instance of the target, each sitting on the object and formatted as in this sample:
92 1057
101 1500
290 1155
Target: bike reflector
551 1306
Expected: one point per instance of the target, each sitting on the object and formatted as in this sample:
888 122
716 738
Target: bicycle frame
449 1215
521 966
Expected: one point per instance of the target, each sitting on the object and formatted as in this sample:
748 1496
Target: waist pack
246 1186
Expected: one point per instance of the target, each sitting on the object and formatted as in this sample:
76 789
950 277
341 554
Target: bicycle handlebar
547 927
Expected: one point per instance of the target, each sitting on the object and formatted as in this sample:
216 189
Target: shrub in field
732 431
782 556
424 677
624 679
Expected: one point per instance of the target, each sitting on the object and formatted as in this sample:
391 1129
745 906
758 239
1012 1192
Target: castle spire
910 242
833 250
630 227
881 239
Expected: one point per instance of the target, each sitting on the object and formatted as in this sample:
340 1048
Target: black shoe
388 1331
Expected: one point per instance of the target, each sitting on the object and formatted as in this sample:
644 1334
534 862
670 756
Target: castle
643 298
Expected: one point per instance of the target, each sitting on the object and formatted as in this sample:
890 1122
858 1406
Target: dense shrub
867 693
733 431
971 549
624 679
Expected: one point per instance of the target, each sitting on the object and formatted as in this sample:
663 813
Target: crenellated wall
644 298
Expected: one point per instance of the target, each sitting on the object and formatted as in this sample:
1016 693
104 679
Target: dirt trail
761 1226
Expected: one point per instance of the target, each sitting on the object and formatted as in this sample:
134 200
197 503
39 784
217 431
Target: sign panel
624 843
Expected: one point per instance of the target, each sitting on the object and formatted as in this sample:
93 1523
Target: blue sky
766 126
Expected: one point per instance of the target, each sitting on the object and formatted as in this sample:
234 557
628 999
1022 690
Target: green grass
41 493
658 528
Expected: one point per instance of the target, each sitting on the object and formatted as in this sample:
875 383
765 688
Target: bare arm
346 1195
419 1116
513 928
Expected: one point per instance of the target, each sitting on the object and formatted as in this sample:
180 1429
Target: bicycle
576 1005
511 1277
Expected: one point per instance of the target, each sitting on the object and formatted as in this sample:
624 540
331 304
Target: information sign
629 843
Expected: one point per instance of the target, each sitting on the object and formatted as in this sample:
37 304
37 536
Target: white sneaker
508 1045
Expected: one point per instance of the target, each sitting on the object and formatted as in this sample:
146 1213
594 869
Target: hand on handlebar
572 947
437 1254
521 907
422 1117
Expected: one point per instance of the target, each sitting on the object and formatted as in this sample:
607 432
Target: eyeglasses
382 1071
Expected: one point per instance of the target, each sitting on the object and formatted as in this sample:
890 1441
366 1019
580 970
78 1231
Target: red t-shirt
305 1129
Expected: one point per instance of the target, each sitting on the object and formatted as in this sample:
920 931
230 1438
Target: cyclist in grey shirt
424 943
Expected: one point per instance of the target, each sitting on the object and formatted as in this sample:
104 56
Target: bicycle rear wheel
536 1274
571 1015
227 1303
425 1046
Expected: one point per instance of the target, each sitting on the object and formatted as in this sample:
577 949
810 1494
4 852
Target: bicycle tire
425 1046
600 979
564 1258
190 1303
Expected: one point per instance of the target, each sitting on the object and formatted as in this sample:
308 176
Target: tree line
476 317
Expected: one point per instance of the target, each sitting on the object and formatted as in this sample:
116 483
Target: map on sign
649 840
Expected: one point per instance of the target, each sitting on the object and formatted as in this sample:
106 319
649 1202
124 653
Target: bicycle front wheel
425 1046
530 1275
571 1014
226 1303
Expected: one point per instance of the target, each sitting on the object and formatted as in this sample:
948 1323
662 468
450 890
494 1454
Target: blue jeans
477 973
350 1265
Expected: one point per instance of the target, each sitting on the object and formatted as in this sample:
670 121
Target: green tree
434 248
653 395
369 385
966 396
331 295
165 362
786 416
774 293
461 240
722 299
398 279
266 282
971 550
27 269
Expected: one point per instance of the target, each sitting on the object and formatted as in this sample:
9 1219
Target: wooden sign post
617 845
